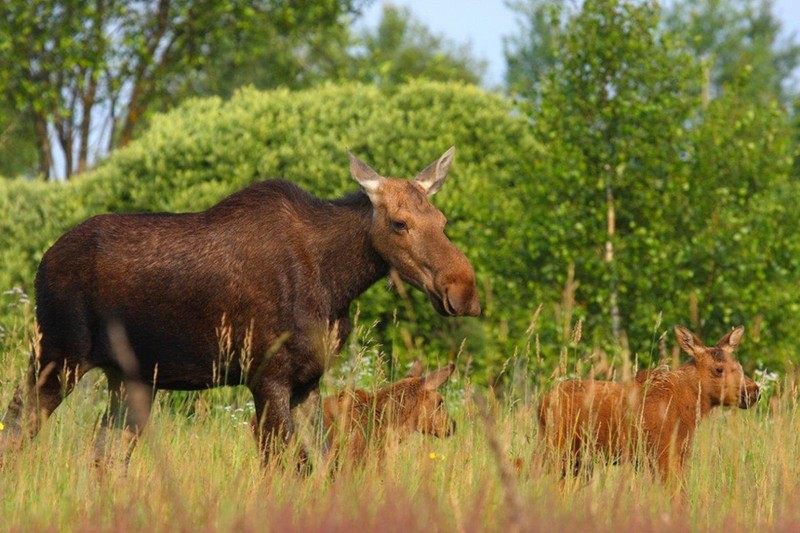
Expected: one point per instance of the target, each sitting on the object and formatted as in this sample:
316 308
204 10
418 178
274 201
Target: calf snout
749 394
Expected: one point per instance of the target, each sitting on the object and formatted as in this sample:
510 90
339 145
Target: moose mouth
441 304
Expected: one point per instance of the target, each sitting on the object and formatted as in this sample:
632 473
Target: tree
401 48
267 56
17 142
88 72
740 42
665 205
611 114
531 53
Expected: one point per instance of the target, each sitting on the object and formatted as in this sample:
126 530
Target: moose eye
719 371
399 226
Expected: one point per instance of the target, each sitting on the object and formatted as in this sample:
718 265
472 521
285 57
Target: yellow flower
2 426
432 455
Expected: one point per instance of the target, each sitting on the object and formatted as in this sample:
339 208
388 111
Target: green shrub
195 155
701 238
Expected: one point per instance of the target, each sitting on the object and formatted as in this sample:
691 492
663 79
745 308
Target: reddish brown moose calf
355 418
657 412
256 290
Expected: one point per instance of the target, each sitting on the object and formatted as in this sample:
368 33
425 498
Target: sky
483 23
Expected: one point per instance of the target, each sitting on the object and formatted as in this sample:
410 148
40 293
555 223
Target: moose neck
690 379
344 248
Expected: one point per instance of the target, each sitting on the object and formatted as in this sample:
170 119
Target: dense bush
699 193
195 155
702 198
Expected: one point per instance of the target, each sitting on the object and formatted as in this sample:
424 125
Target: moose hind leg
128 411
46 387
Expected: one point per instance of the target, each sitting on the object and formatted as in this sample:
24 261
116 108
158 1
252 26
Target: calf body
256 290
354 418
657 412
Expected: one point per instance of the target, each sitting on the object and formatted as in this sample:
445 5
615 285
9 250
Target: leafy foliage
401 49
73 64
533 50
681 193
616 196
17 142
740 41
192 157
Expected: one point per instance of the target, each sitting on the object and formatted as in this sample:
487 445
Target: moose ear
435 379
433 176
369 180
731 339
415 371
690 342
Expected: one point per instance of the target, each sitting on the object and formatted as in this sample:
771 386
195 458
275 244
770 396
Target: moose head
408 233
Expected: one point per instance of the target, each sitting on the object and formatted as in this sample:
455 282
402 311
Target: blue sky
483 23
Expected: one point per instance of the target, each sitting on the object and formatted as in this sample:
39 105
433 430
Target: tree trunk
86 122
43 146
609 259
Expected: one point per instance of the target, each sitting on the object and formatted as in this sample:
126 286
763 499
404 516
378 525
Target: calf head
408 232
721 376
423 406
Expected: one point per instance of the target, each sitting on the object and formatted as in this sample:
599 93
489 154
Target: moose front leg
272 423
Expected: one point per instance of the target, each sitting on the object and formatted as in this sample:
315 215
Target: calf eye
719 371
399 225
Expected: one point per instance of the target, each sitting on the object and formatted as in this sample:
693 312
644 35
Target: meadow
197 468
629 183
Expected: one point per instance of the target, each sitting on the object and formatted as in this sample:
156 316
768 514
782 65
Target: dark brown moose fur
255 290
355 418
657 412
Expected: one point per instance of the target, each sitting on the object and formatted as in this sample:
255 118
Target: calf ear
369 180
433 176
731 339
415 371
435 379
690 342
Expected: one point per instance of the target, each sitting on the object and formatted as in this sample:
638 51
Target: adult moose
271 269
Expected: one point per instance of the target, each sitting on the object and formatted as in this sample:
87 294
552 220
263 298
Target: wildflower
2 426
434 456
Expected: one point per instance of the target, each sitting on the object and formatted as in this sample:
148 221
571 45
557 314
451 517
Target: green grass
197 468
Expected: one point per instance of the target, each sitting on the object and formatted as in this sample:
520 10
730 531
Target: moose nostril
463 301
475 309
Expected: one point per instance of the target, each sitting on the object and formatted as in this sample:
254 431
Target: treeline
628 190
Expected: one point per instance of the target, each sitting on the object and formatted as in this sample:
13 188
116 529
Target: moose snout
749 394
463 300
459 292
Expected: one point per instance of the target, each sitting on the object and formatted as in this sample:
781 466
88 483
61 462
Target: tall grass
197 468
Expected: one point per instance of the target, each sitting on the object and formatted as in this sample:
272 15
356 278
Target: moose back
254 290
